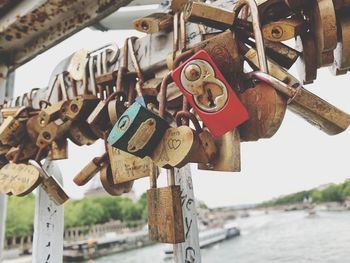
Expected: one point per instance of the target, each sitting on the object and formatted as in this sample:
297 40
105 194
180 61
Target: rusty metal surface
34 26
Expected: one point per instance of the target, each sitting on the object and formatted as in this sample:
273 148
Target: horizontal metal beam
33 26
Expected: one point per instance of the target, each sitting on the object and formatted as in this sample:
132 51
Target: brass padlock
50 185
283 29
51 113
18 179
13 129
206 140
58 150
52 132
127 167
153 23
80 107
97 119
80 133
228 158
209 15
310 107
90 170
22 152
106 176
165 219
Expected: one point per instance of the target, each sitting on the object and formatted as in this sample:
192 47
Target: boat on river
211 236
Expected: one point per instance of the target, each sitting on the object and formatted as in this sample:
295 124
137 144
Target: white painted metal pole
48 223
3 208
189 251
6 88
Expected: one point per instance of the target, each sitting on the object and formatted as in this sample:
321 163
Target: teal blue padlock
138 131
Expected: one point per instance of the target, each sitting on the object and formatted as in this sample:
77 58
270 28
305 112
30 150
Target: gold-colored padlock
58 150
13 129
127 167
90 170
228 158
153 23
165 219
106 176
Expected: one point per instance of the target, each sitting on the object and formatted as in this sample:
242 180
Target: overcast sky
298 157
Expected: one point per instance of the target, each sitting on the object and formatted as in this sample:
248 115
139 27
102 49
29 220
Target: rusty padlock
310 107
106 176
165 220
228 158
13 129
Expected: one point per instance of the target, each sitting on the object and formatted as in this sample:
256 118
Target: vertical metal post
189 251
6 88
3 208
48 223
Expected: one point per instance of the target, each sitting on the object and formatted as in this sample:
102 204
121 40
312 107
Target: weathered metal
32 26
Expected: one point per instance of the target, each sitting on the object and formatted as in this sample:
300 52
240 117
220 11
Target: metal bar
188 251
48 223
33 26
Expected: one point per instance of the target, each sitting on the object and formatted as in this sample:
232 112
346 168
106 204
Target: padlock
90 170
342 52
278 51
106 176
51 113
223 49
50 185
80 133
13 129
165 219
153 23
178 5
307 63
324 25
310 107
77 64
138 131
18 179
209 15
97 119
126 167
266 107
283 29
22 153
80 107
206 140
209 94
228 158
52 132
7 112
58 150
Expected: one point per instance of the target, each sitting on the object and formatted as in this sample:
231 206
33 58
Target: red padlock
206 89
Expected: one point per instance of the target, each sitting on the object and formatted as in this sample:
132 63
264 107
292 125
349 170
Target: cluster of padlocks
143 111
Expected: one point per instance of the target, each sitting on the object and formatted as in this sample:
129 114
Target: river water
273 238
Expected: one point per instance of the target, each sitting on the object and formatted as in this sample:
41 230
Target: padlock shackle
162 94
123 69
257 30
275 83
181 57
189 116
171 176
